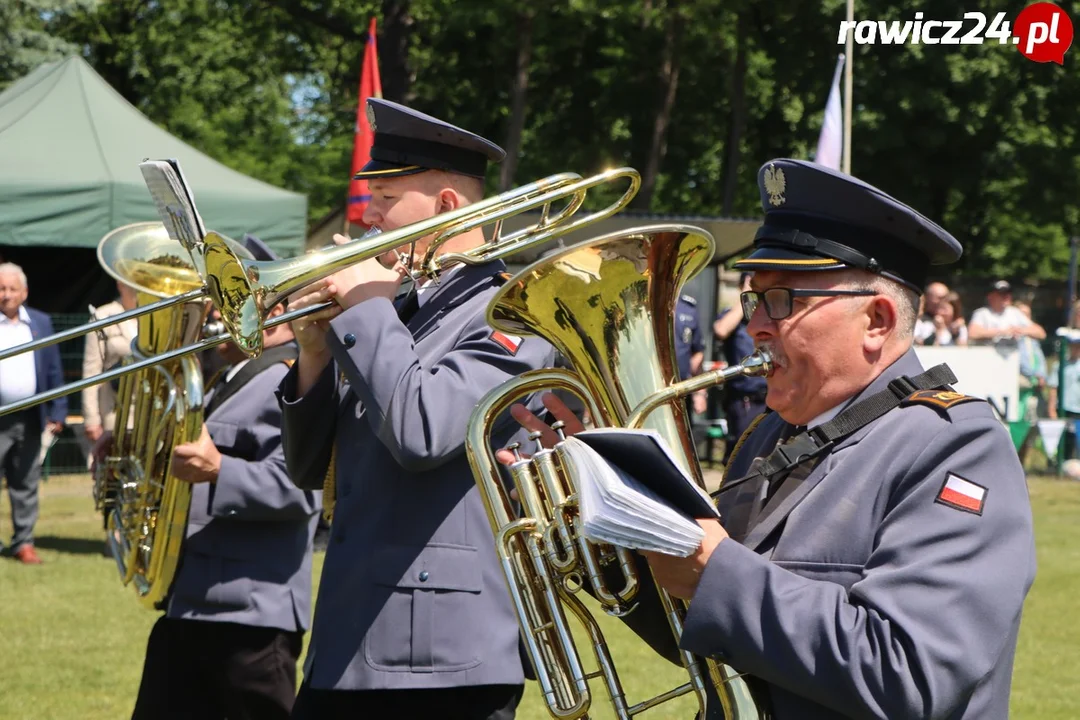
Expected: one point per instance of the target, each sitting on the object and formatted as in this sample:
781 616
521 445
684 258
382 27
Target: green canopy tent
70 148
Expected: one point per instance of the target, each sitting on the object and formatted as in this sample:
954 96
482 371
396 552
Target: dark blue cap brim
380 169
785 260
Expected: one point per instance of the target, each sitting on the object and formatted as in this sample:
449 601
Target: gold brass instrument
608 305
157 408
244 290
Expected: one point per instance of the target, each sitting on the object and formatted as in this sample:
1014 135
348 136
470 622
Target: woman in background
949 325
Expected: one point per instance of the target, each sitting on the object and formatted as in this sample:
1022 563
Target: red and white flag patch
962 494
510 343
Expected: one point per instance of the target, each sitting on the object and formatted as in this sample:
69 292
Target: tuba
607 304
157 408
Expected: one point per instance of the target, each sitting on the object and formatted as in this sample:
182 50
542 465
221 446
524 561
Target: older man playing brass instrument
876 544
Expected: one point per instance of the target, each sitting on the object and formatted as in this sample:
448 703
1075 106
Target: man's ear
882 316
448 199
278 309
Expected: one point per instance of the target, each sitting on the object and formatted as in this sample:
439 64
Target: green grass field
73 638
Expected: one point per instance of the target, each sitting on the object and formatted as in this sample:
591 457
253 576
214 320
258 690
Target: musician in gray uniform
228 644
413 617
876 544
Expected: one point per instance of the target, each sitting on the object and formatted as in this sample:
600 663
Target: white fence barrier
984 372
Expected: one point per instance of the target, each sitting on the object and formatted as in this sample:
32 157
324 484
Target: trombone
245 290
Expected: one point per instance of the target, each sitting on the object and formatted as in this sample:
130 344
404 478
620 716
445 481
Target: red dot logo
1043 32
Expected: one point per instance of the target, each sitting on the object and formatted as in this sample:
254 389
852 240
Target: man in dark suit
229 641
413 617
20 433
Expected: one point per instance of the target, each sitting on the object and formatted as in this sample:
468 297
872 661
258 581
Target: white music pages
652 509
174 200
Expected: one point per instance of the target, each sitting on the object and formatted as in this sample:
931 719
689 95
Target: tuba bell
607 304
157 408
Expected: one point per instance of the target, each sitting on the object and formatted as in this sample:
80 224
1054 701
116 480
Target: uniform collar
429 287
452 290
829 414
907 364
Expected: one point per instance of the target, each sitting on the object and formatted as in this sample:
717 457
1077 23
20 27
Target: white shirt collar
23 315
231 373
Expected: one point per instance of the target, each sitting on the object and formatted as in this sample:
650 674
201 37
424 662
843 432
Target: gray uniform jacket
247 557
868 593
411 595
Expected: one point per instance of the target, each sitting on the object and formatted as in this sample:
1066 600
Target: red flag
370 86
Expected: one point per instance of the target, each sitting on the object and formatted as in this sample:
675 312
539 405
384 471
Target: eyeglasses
779 301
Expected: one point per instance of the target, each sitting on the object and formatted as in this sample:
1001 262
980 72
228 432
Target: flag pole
849 58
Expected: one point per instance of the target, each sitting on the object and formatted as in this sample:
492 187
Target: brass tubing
757 364
147 362
81 330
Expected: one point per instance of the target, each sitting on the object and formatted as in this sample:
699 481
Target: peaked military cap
820 219
258 249
407 142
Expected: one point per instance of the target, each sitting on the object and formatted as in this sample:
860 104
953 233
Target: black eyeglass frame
752 298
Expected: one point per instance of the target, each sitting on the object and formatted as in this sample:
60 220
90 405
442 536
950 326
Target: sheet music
174 200
616 508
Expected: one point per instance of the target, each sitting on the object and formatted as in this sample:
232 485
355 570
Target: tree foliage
704 91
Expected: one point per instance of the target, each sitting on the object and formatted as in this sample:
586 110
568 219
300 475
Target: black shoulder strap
867 411
822 438
286 353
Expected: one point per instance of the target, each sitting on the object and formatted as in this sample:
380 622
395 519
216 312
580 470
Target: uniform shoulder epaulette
940 399
688 299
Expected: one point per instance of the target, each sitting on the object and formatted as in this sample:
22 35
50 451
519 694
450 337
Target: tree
25 39
696 95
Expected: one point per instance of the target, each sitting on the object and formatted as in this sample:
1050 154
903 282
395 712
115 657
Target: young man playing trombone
413 618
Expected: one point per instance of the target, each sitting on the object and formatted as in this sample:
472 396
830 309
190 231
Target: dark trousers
740 411
474 702
20 443
198 670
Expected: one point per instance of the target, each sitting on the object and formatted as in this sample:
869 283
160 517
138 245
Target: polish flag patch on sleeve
962 494
510 343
